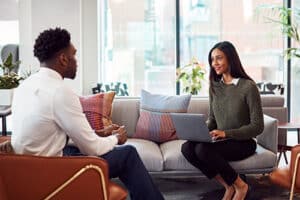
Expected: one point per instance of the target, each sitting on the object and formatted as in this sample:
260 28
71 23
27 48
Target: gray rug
200 188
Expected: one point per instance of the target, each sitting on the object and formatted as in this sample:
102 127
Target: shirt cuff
228 134
113 139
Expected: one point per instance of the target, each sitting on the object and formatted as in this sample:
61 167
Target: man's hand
121 134
5 147
107 130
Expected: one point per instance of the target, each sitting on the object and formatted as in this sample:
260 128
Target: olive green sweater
236 109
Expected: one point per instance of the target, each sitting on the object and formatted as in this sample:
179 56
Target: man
45 111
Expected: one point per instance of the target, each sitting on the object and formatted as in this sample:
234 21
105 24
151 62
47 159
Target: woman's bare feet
241 189
229 192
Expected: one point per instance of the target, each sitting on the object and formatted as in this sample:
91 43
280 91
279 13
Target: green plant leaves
191 76
9 79
283 16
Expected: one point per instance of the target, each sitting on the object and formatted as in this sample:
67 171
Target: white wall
8 10
9 27
79 17
90 51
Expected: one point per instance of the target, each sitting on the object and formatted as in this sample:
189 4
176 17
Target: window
9 32
138 46
295 71
212 21
9 24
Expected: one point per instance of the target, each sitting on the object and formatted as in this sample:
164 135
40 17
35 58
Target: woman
235 112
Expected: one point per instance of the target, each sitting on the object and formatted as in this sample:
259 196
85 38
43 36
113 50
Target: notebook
192 127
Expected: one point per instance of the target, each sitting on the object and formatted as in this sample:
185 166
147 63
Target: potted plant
8 80
191 76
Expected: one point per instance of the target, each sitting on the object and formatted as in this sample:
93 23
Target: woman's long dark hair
236 69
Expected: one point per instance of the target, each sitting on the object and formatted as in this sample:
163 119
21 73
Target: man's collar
50 72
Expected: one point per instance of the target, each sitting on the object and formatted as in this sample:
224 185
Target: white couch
167 157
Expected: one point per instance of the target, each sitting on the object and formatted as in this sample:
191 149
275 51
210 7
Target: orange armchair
289 177
37 177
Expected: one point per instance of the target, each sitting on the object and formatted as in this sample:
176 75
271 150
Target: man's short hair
50 42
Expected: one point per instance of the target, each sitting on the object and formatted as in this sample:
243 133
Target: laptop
192 127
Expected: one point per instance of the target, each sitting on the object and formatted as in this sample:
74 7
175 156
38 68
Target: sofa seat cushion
149 153
174 160
262 159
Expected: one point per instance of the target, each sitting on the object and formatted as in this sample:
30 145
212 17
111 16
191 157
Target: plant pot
6 96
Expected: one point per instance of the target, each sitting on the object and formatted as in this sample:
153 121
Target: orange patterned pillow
97 109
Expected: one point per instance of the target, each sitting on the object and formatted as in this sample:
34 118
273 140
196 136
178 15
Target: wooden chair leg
294 177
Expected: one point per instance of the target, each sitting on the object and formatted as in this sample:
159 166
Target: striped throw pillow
97 109
155 122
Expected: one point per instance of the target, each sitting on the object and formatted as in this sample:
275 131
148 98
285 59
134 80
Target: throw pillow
97 109
155 122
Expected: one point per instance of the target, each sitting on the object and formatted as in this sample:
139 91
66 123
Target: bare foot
240 192
228 193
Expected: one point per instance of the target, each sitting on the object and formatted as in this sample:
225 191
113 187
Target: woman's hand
217 134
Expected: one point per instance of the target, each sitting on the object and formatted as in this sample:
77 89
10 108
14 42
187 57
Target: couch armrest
37 177
269 137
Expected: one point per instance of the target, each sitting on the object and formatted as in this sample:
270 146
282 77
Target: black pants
212 158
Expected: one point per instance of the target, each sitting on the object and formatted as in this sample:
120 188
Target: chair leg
285 157
294 177
278 160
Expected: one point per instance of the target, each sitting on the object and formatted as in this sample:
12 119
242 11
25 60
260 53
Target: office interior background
142 42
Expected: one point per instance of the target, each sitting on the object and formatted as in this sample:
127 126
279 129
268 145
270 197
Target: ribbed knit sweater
236 109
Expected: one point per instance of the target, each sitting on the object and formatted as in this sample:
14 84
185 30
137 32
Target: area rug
200 188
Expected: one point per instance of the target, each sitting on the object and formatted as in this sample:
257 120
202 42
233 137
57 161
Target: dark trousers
212 158
125 163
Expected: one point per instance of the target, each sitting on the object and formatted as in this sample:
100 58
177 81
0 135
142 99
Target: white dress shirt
45 111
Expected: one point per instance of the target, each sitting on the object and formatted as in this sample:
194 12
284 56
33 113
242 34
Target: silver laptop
192 127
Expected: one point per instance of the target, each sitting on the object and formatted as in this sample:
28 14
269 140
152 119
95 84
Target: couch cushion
272 100
97 109
125 111
164 103
199 105
155 122
149 153
262 159
281 114
174 160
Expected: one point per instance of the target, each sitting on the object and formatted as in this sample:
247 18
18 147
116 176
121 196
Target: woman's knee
187 149
202 151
